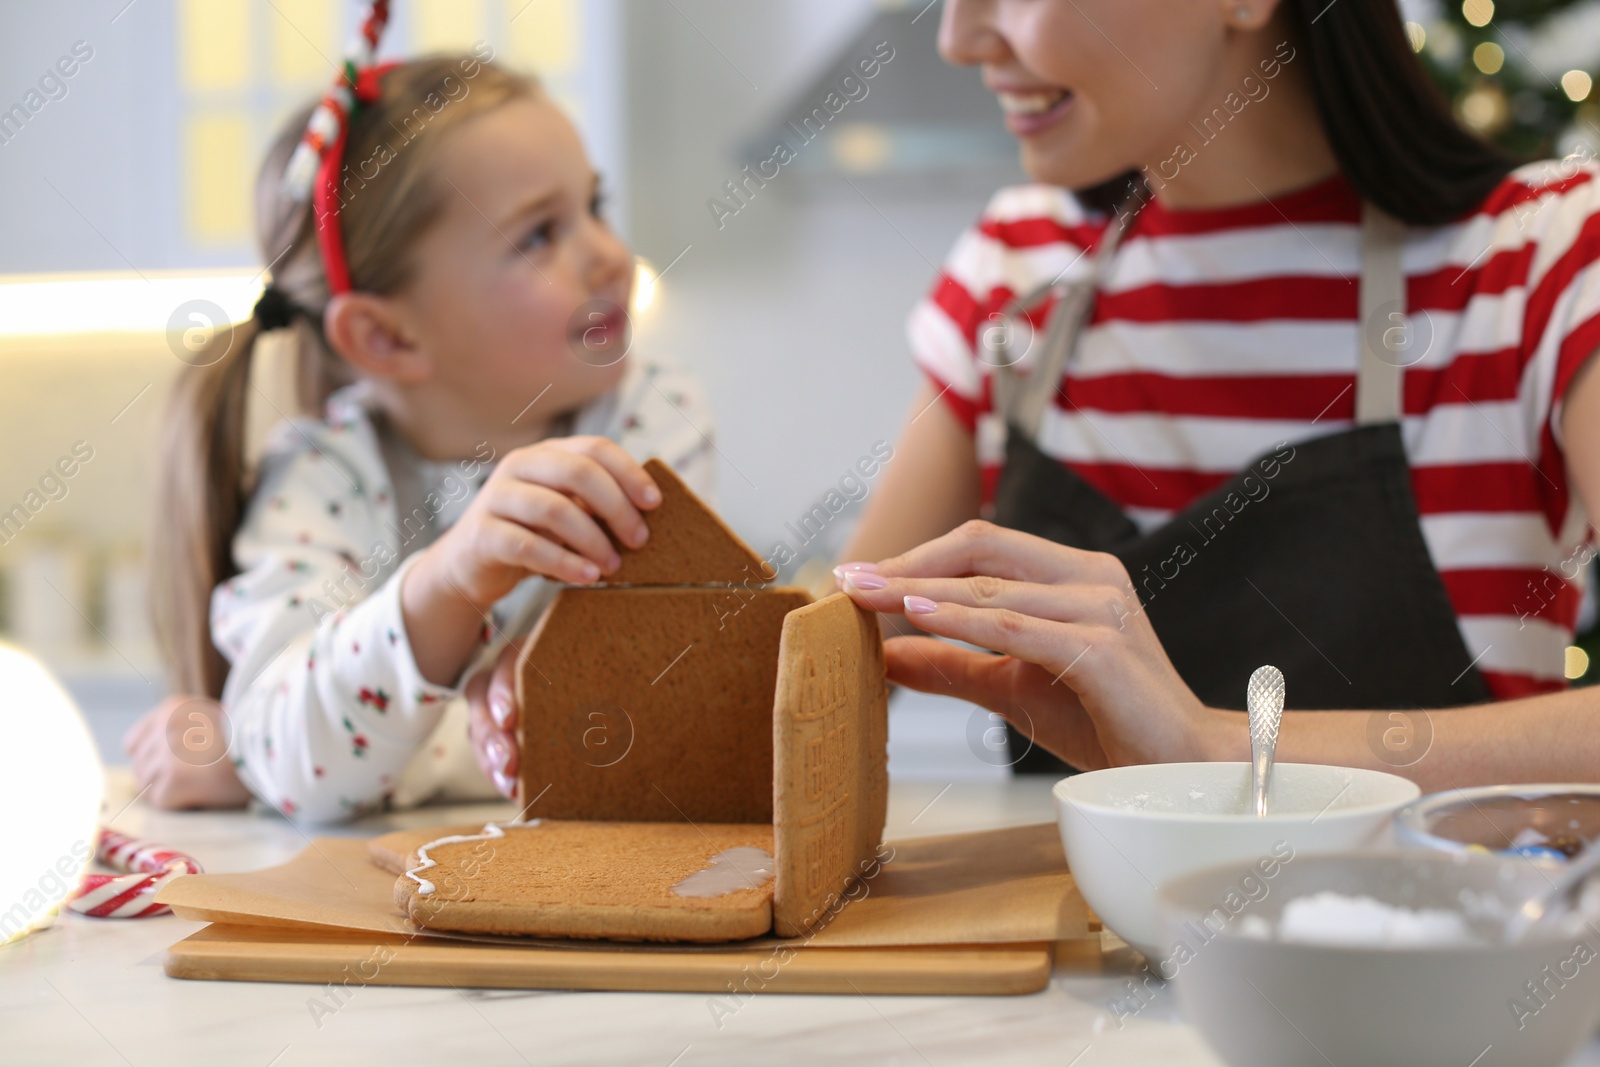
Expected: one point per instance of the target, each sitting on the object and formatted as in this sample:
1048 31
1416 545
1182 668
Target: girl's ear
1248 14
370 333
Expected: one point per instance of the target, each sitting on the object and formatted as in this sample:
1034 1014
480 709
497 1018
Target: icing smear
744 867
491 831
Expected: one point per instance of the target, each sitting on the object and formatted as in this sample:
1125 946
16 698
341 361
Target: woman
1299 378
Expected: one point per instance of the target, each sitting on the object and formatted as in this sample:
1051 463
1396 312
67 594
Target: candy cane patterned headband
313 170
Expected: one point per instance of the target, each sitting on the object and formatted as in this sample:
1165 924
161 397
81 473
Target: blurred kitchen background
126 200
125 211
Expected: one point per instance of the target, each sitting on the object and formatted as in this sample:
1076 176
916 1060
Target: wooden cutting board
355 958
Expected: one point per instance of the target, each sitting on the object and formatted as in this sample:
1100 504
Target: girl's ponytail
200 502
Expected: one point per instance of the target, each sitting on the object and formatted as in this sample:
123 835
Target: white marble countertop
91 991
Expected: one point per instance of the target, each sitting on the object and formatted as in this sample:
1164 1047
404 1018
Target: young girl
1277 364
453 298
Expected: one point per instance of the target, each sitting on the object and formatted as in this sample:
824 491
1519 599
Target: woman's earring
1241 13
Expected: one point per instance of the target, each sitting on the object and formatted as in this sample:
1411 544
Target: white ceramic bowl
1129 830
1263 1002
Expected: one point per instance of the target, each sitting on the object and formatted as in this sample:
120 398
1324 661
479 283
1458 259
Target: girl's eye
597 206
540 235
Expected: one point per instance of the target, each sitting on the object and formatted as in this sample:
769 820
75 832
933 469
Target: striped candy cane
130 895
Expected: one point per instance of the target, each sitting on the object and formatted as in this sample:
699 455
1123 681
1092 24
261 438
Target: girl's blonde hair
387 201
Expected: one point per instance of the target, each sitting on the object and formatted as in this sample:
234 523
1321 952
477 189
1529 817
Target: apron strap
1379 377
1023 401
1380 389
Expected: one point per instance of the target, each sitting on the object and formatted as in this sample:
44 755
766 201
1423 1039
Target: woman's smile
1031 111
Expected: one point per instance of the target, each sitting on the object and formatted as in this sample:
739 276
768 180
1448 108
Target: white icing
491 832
744 867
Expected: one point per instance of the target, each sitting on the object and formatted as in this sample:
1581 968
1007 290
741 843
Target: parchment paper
992 886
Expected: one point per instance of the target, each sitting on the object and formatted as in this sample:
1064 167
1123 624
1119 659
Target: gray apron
1325 576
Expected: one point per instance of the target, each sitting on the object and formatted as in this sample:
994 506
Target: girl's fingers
580 470
502 692
517 546
983 548
546 511
1091 604
493 747
628 472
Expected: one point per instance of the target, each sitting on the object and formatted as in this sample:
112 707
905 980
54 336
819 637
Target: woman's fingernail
500 708
866 580
499 751
640 536
651 495
920 605
505 783
589 573
844 568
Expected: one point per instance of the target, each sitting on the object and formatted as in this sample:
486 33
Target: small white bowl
1264 1002
1129 830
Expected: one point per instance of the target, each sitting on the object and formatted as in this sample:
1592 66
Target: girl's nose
968 34
609 260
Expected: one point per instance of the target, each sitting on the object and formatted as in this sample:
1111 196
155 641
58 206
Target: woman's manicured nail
651 495
505 783
500 708
499 751
865 579
920 605
844 568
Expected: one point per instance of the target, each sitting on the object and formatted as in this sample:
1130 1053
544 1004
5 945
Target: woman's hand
492 719
179 754
536 515
1082 672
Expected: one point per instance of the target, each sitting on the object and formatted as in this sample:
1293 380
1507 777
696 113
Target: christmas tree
1519 72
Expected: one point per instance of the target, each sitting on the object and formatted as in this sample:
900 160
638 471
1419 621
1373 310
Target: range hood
887 105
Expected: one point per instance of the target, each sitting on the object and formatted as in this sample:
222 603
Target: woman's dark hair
1391 129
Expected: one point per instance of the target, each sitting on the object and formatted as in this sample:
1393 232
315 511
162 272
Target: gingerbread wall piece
830 758
652 704
689 544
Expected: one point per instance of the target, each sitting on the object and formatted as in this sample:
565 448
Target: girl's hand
536 515
492 720
179 754
1082 673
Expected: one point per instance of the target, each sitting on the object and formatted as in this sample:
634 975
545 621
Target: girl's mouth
1028 113
600 332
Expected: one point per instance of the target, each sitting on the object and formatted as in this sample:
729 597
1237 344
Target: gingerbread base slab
266 954
994 887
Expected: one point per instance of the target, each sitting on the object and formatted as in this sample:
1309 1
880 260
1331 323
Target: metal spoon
1554 900
1264 699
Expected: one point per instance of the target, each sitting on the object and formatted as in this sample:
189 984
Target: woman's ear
370 333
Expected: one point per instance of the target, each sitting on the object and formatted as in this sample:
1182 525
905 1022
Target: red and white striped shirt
1218 334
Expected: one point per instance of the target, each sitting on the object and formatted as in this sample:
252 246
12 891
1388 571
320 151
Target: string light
1418 35
1577 663
1576 84
1478 12
1489 57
